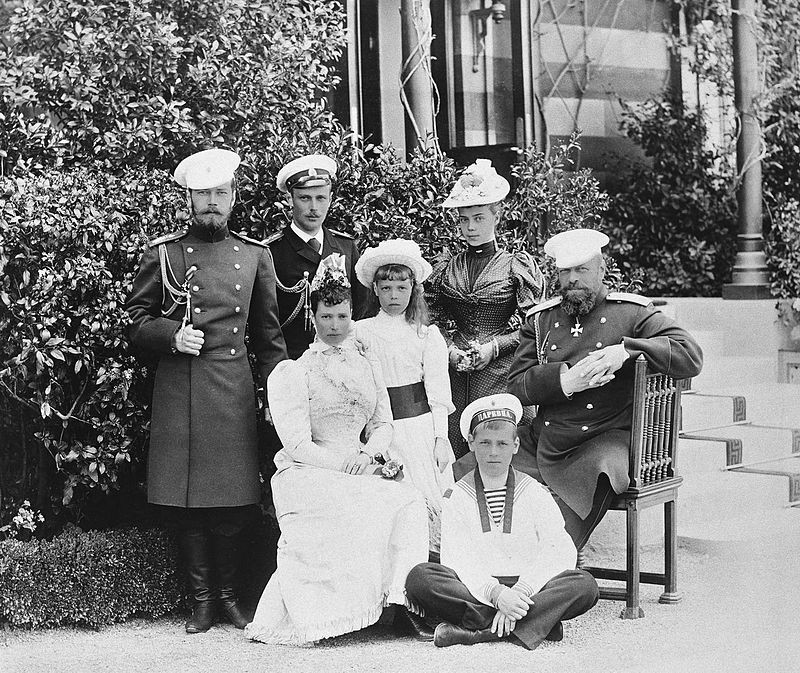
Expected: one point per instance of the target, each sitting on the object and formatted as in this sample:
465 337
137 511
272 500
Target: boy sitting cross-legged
507 564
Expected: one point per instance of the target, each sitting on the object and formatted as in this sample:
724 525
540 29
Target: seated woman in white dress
348 536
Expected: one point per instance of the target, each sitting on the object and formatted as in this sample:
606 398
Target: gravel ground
740 613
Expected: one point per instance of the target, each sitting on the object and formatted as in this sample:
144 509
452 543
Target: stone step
701 409
752 443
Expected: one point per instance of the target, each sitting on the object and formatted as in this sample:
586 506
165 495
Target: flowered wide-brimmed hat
478 185
397 251
332 271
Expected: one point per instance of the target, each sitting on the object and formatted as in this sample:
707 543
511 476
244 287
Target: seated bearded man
575 361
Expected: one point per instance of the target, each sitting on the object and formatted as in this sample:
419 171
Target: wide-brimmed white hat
574 247
397 251
207 169
501 406
312 170
478 185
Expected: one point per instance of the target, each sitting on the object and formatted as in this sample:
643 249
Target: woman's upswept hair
417 309
330 295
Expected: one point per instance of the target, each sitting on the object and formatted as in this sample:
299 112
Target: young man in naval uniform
298 249
196 293
576 361
507 564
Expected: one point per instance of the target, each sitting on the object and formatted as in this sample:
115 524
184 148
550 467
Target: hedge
88 579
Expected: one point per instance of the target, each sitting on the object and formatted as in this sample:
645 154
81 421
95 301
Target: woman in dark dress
478 297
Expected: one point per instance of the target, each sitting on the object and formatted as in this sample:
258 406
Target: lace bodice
321 402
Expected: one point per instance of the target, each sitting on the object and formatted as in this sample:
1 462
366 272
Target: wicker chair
653 481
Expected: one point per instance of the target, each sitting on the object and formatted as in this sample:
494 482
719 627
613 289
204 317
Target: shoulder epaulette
339 233
275 237
629 297
167 238
550 303
247 239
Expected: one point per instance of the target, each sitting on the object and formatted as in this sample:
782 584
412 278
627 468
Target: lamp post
750 279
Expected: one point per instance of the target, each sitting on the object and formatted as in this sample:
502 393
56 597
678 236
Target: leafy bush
131 83
674 217
88 579
70 244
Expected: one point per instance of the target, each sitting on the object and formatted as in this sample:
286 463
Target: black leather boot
226 560
197 558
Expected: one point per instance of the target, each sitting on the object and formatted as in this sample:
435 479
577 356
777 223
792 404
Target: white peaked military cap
207 169
503 406
397 251
478 185
574 247
312 170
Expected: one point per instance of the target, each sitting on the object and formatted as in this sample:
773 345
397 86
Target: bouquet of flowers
388 469
471 357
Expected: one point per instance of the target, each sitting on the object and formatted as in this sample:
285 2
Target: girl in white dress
413 357
348 537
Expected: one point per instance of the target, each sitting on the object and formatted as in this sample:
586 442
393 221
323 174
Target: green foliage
70 244
129 83
88 579
674 217
783 251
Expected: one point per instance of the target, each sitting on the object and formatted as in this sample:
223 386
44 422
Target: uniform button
189 249
236 247
590 406
238 287
553 347
238 308
598 345
233 351
197 310
602 321
237 266
547 422
195 288
558 324
235 330
584 428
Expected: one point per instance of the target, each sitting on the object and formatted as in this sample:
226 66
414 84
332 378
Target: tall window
480 76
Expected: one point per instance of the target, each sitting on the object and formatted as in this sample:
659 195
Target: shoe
556 633
414 624
232 613
226 560
204 616
447 634
196 554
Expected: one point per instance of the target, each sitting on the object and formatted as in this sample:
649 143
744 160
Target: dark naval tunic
294 258
203 443
583 436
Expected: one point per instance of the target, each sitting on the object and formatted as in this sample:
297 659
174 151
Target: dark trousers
581 529
440 592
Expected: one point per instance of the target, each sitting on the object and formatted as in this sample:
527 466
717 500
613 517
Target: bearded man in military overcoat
196 295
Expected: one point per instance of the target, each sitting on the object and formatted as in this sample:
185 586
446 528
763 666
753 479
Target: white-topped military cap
397 251
207 169
478 185
312 170
502 406
574 247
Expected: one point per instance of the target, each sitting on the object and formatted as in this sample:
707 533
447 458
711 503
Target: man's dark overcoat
583 436
203 443
293 257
